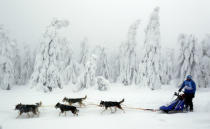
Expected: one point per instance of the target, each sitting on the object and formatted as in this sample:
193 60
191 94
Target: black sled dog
110 104
26 108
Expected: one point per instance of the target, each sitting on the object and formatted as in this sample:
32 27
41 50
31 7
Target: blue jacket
189 87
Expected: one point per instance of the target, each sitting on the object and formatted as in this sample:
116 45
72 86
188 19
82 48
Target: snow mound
102 83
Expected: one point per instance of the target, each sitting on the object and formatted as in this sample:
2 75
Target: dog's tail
122 101
85 97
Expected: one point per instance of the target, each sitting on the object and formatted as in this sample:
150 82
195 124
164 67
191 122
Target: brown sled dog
75 100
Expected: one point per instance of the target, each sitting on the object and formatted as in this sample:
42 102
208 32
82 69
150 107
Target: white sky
104 21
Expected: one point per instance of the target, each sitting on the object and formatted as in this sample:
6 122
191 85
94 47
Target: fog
103 21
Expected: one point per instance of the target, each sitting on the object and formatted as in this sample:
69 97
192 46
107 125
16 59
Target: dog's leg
80 104
111 110
38 113
59 113
75 114
19 115
104 110
121 109
34 112
83 104
65 113
115 109
28 114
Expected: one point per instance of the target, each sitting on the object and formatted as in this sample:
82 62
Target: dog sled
177 105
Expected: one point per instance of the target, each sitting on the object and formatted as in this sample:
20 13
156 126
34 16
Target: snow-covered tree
102 63
114 65
187 62
7 64
84 53
88 78
167 66
17 63
128 57
71 72
47 68
149 68
69 67
27 65
204 63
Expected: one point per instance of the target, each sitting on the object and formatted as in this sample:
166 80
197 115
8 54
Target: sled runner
175 106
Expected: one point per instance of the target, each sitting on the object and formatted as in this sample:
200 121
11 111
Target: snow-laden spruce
102 63
114 61
167 66
150 65
7 61
27 65
93 70
188 59
88 76
17 64
204 64
128 57
84 53
47 68
68 66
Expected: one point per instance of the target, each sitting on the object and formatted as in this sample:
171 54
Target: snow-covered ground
91 117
